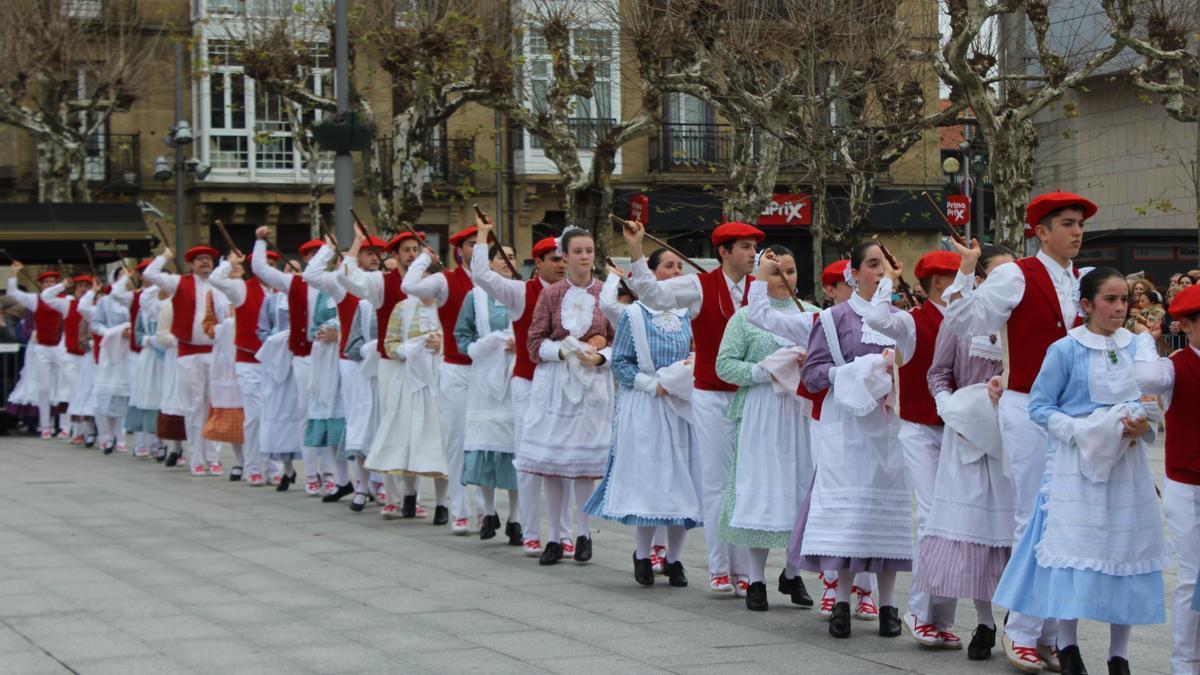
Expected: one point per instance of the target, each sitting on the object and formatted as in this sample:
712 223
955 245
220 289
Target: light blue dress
487 447
1119 514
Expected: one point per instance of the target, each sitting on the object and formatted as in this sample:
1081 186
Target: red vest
48 323
523 366
134 307
1183 424
245 319
716 308
183 304
916 403
71 329
1035 324
803 392
392 296
460 284
298 342
345 312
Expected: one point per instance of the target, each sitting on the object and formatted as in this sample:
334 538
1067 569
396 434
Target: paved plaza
111 565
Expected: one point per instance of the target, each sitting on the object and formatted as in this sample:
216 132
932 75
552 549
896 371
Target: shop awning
47 233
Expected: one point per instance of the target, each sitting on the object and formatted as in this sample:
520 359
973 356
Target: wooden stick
954 234
484 217
366 231
902 285
620 276
22 272
337 249
661 243
228 239
163 238
791 291
92 264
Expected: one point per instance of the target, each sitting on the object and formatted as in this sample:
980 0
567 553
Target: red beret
272 256
735 230
834 272
459 237
374 242
201 250
1186 303
937 262
311 245
547 245
49 274
1053 201
83 279
395 241
144 264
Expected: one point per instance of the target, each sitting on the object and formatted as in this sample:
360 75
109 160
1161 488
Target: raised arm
234 289
432 287
157 275
508 292
679 292
732 365
261 266
882 317
87 305
121 293
360 283
317 274
27 300
789 325
609 305
983 310
51 296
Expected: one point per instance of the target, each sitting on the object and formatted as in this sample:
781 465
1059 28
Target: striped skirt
959 569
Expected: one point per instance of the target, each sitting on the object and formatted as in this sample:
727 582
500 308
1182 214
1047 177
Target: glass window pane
237 101
275 154
216 103
228 152
269 114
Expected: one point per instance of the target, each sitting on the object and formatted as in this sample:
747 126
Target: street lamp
176 138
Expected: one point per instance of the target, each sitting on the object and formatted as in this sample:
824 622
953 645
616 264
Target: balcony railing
449 159
113 162
709 148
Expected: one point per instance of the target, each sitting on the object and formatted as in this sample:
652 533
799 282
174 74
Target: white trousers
249 379
48 368
1181 504
1025 446
191 392
301 370
529 486
922 446
714 436
454 381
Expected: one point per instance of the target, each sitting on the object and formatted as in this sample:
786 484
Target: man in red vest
1177 380
380 290
192 297
357 409
1035 301
929 618
301 302
64 298
449 289
711 299
520 297
247 297
42 351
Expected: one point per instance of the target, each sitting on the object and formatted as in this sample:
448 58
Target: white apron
489 418
280 428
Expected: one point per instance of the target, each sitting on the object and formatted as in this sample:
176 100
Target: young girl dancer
1094 548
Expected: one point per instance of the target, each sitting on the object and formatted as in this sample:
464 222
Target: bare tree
65 68
560 91
1045 65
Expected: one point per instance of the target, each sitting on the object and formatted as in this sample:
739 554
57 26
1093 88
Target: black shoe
1118 666
108 448
643 573
357 506
341 491
982 642
756 597
889 622
1071 661
795 588
583 548
551 554
173 458
839 621
89 441
161 458
516 537
487 529
441 515
675 575
285 482
408 508
235 474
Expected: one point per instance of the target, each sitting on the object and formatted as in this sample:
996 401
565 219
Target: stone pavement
111 565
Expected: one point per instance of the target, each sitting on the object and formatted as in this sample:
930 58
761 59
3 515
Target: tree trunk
408 166
819 225
752 174
55 163
1011 170
862 194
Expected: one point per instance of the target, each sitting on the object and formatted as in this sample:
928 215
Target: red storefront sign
639 208
787 209
958 209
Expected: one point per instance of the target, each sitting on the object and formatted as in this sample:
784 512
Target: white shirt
361 283
170 283
51 297
234 289
1156 375
27 300
273 278
795 327
318 276
508 292
432 287
681 292
985 310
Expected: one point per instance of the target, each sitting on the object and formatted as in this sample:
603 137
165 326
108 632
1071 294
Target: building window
595 114
248 132
82 9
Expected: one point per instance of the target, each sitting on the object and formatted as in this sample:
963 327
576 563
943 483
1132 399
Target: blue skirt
1066 593
489 468
595 507
139 419
326 433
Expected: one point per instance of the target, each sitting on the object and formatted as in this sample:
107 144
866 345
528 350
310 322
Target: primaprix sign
958 209
787 209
